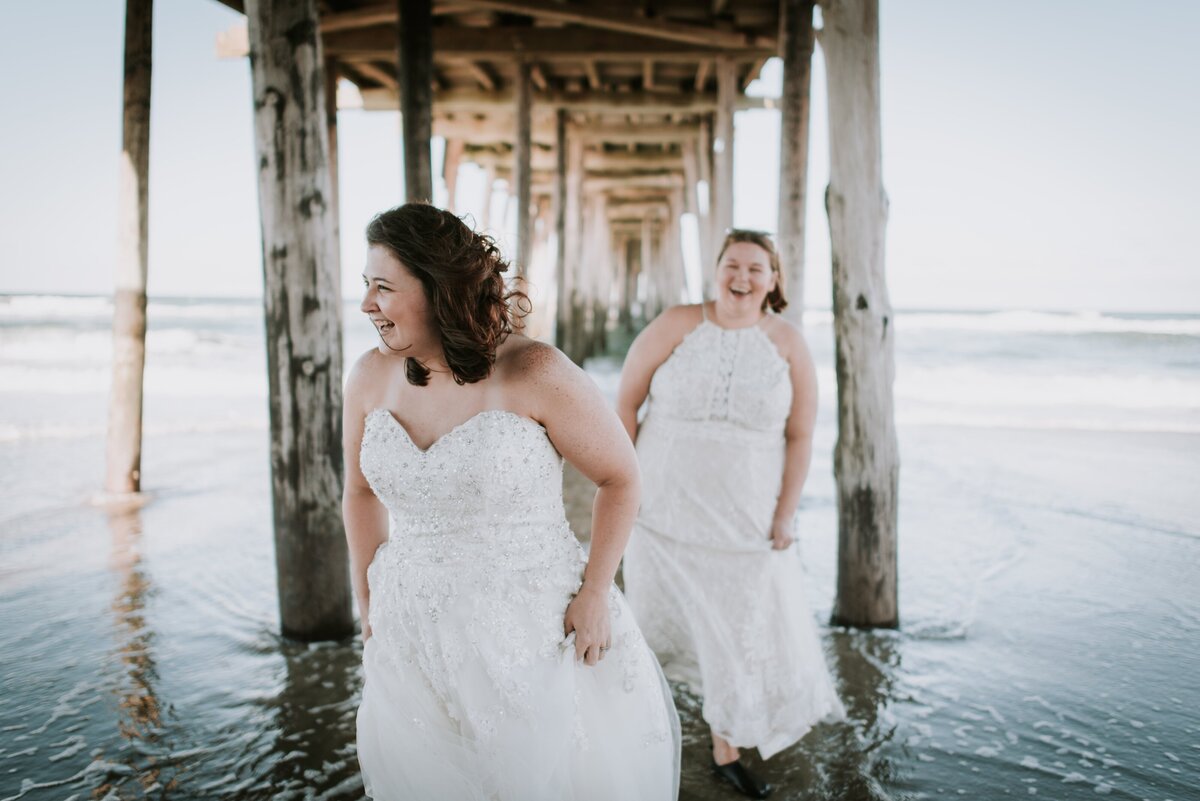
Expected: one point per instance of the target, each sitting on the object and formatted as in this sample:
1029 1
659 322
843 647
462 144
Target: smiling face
744 277
395 301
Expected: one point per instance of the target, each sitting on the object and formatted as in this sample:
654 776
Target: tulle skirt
473 694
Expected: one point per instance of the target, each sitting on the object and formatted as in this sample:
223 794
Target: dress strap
704 310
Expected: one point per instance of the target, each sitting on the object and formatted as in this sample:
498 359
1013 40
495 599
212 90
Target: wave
1034 322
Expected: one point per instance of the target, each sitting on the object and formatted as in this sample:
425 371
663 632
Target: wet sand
1048 648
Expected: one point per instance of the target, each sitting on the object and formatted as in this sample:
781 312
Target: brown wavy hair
776 299
462 273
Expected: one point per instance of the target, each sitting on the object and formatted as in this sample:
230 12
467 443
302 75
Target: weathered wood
653 300
522 172
450 165
415 77
574 255
477 101
331 80
489 190
551 44
722 150
866 459
302 301
593 74
624 22
123 469
561 274
381 76
672 249
796 41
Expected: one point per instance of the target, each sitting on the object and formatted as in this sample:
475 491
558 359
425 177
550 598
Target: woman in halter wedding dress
499 661
724 450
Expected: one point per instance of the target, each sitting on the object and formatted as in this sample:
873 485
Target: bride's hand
782 535
587 616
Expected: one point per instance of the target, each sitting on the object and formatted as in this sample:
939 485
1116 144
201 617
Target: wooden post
331 80
866 459
302 299
653 301
489 191
601 253
796 47
450 164
723 152
414 69
674 253
522 174
624 301
123 469
561 288
704 161
574 257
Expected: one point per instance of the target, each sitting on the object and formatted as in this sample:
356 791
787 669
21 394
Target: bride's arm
364 516
585 431
647 353
798 435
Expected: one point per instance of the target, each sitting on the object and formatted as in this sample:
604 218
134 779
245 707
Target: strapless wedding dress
471 690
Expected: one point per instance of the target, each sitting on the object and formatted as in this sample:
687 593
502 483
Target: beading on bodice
719 375
490 488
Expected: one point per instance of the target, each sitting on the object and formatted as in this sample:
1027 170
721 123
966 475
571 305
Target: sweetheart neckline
438 440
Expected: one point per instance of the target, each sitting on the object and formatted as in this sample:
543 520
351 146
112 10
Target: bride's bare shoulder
520 358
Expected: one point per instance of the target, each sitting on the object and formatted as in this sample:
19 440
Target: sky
1038 154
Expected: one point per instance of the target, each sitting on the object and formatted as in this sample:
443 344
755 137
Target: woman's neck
728 319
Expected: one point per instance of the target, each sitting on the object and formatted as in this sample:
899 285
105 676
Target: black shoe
743 780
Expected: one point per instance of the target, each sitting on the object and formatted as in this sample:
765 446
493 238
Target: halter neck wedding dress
723 611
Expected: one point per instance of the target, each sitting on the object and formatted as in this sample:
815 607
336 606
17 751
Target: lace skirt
472 692
723 611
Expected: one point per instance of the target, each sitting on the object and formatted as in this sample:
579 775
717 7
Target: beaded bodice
715 374
491 487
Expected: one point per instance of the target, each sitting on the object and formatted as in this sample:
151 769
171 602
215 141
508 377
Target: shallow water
1048 595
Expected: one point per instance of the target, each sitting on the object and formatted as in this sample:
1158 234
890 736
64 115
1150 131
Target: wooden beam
593 74
538 76
383 14
359 18
797 41
415 73
620 134
522 171
866 457
302 302
648 74
624 22
539 43
377 74
702 75
123 457
482 75
475 101
753 73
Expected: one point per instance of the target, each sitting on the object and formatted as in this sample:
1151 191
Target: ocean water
1049 564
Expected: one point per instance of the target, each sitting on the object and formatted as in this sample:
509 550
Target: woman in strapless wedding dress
724 449
500 662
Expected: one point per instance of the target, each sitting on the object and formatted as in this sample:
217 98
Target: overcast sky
1038 155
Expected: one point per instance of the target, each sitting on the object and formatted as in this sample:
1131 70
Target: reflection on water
138 654
139 717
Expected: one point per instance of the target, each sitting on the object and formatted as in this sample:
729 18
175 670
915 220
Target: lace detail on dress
729 375
723 611
468 674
